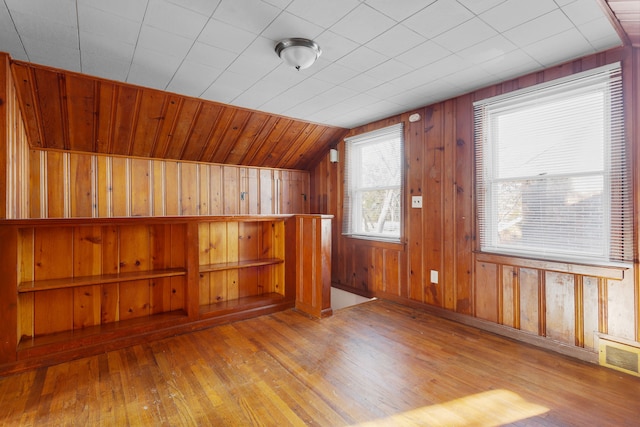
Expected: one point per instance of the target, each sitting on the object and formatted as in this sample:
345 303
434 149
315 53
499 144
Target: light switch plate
434 276
416 202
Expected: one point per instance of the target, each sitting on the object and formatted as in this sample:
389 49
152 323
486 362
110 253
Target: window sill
377 242
615 272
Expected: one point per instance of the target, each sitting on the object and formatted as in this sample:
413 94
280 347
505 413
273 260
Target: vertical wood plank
12 255
87 261
160 255
81 110
204 202
158 188
140 187
206 257
134 241
135 299
25 262
233 250
248 249
189 189
620 307
231 185
509 284
486 306
53 311
529 297
266 192
216 204
109 311
104 187
179 244
55 176
560 307
172 188
464 212
36 210
590 311
120 186
81 193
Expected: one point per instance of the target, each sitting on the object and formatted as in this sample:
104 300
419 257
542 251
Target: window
551 170
373 183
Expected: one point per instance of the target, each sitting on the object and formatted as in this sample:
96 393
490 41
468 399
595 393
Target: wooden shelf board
74 282
239 264
240 304
92 334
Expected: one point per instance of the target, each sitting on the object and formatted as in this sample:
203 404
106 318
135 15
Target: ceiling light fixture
298 53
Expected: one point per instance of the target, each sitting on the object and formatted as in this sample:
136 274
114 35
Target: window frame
354 188
487 194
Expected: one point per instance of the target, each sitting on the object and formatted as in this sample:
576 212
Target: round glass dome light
298 53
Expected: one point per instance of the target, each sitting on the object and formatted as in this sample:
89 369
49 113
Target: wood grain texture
396 368
71 111
439 165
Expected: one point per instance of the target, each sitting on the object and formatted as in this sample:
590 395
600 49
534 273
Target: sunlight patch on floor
341 299
487 409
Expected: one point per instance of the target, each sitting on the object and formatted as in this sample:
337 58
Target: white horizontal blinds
552 171
373 182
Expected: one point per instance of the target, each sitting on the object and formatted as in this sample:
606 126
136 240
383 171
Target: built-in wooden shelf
98 333
239 264
74 282
241 304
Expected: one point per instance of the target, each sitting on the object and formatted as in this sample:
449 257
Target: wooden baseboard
515 334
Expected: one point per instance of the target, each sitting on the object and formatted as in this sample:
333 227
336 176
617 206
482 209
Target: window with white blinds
373 184
552 173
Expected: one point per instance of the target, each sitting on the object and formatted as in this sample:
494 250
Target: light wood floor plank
374 364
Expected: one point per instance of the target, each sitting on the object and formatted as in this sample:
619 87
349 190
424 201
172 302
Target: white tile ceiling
380 57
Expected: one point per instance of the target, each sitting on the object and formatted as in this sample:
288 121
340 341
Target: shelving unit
241 264
75 287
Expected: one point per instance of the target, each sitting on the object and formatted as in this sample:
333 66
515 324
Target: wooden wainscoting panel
487 280
529 300
621 307
590 310
509 299
560 305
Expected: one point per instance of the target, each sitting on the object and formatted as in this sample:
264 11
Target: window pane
380 165
552 170
373 184
556 137
380 211
562 215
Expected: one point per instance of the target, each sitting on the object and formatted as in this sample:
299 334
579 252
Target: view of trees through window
373 200
378 194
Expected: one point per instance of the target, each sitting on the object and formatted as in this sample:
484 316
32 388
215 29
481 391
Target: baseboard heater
619 354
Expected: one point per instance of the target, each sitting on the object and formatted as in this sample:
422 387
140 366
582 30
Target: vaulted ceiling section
69 111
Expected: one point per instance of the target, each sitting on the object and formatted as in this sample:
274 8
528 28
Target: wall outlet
434 276
416 202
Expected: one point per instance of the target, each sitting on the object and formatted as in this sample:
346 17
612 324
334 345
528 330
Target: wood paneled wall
72 185
562 302
68 111
65 184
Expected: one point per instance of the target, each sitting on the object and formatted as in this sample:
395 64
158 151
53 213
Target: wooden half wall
560 304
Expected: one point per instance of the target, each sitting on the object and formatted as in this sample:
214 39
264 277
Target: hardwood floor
373 364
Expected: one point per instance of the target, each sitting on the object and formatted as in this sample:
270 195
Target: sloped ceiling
627 12
70 111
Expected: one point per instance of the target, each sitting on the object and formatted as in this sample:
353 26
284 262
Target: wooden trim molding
608 272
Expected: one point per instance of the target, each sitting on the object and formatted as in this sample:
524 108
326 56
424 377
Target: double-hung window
373 184
552 171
